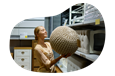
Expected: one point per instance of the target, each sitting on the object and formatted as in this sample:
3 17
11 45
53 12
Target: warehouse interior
84 18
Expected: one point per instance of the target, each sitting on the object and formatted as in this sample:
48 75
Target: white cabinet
28 31
15 32
26 28
31 23
23 56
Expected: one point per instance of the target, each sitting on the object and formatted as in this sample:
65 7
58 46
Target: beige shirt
44 57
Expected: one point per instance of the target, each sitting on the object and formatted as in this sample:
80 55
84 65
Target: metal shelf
81 17
77 24
91 57
87 23
29 38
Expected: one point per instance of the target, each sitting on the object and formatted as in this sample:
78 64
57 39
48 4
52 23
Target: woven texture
64 40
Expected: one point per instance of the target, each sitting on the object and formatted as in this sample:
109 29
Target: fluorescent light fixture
108 13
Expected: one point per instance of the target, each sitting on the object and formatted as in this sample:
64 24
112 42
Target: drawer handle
22 66
22 59
22 52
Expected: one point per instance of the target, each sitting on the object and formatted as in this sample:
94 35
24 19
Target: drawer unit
23 56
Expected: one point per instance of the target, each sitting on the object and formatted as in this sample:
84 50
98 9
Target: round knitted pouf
63 40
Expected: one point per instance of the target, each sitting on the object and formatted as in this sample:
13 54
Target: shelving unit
90 57
83 16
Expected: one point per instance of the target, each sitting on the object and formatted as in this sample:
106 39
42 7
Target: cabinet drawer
31 23
28 31
22 59
22 52
35 54
35 69
21 67
36 63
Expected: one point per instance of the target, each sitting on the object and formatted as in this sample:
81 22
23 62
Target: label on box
97 21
